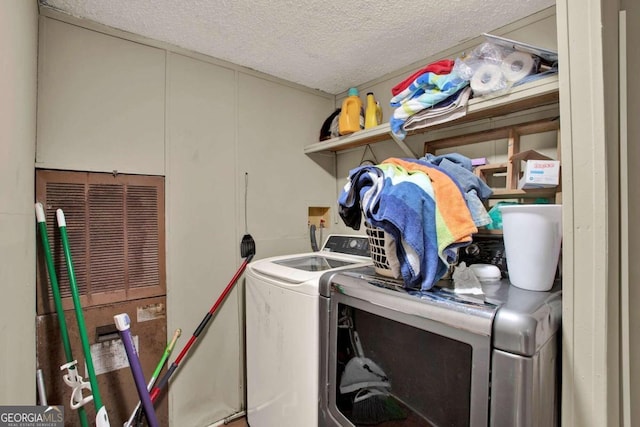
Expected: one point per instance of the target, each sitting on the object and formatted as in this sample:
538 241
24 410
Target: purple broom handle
123 323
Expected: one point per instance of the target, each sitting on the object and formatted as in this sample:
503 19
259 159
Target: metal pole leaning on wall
155 392
102 419
71 378
123 323
154 377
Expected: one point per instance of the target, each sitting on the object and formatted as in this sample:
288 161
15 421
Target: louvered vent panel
106 237
142 243
70 197
115 224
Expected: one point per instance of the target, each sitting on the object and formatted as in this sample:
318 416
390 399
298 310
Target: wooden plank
470 138
484 171
502 193
356 139
493 167
513 168
538 126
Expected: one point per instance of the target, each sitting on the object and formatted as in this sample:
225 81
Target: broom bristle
247 246
377 409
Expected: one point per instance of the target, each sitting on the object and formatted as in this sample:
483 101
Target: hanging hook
364 153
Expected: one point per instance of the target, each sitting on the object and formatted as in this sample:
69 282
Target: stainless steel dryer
450 359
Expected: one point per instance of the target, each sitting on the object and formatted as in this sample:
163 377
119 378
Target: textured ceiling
328 45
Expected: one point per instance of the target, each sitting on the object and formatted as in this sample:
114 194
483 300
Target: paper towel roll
517 65
487 78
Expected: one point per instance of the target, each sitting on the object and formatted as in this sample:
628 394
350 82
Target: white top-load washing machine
282 324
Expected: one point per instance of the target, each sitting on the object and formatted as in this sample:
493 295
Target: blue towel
401 204
407 213
365 182
452 225
426 91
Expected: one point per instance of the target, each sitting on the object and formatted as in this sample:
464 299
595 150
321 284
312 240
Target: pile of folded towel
434 94
440 92
428 208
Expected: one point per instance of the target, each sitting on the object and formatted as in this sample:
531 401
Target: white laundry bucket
532 240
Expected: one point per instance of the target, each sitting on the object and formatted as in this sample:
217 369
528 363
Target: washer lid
295 269
313 263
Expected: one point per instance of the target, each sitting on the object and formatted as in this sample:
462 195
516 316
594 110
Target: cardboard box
539 170
540 174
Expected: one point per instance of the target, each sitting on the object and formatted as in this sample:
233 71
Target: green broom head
373 406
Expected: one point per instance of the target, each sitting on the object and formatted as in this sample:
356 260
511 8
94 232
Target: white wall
632 376
18 44
587 42
275 123
107 102
201 253
100 102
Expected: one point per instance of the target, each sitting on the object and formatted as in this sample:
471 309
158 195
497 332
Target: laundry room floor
242 422
410 422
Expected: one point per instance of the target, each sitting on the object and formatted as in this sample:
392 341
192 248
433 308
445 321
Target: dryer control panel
345 244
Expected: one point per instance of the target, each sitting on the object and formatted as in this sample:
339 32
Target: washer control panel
345 244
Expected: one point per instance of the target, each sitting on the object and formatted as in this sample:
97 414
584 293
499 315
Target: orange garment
449 202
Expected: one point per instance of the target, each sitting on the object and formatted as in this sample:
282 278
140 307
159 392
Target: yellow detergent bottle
373 115
351 117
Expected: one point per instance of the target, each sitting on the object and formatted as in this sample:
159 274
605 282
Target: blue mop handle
123 324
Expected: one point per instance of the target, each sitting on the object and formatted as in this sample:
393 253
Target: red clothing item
443 66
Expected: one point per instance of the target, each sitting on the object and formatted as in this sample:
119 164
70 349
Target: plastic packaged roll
517 65
488 78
